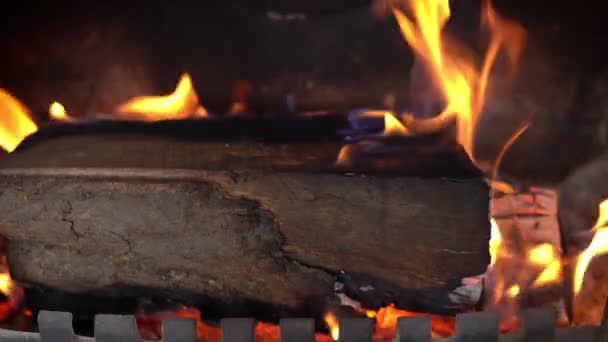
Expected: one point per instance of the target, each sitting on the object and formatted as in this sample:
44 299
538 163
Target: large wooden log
257 230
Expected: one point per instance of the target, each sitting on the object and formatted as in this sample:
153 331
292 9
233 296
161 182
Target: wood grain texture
228 210
273 237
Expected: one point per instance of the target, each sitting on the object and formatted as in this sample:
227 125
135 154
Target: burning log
232 219
580 195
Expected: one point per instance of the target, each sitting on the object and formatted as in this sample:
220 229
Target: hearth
425 178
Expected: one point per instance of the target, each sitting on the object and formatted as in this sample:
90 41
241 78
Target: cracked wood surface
274 237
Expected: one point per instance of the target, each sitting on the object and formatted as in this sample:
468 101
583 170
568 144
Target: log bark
251 231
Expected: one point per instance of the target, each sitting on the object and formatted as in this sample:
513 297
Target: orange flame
386 323
57 112
183 103
542 254
15 122
550 275
14 296
334 326
598 246
392 125
462 85
495 241
513 291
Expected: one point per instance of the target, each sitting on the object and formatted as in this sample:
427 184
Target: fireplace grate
538 325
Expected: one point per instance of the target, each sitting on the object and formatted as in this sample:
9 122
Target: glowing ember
150 327
57 112
462 85
598 246
386 323
183 103
14 296
15 122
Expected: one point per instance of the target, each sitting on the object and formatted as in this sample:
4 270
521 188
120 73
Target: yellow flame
183 103
334 326
463 86
598 246
550 275
392 126
15 122
6 284
57 112
513 291
495 241
542 254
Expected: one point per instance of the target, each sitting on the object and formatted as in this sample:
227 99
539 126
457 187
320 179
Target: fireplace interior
334 160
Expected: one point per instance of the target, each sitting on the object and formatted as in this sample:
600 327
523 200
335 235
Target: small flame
462 85
183 103
386 323
598 246
495 241
550 275
57 112
334 326
542 254
513 291
387 317
6 283
15 122
392 126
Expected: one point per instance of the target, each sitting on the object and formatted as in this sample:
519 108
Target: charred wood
253 221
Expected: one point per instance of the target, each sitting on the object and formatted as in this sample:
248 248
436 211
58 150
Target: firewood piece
265 236
304 144
579 197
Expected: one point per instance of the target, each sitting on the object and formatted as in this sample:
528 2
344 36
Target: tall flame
461 83
598 246
183 103
334 326
15 122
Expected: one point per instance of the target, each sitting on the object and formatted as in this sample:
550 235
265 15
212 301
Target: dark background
92 55
340 56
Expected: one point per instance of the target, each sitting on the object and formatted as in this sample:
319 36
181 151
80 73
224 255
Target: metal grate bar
538 325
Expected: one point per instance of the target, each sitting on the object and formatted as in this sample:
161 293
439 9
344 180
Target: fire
183 103
598 246
513 291
461 82
545 255
392 126
57 112
334 326
550 275
495 241
6 283
15 122
386 323
542 254
150 327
